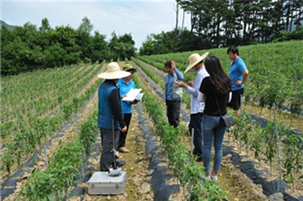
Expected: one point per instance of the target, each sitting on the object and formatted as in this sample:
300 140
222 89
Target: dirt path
137 162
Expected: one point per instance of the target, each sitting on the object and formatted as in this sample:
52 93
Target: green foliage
165 42
122 46
64 166
25 115
275 79
87 132
286 35
293 154
222 23
27 48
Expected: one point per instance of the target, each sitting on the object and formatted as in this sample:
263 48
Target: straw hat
113 72
129 67
194 59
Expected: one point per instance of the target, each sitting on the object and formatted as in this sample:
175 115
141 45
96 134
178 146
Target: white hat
113 72
194 59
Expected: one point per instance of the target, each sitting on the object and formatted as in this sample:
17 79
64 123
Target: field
50 144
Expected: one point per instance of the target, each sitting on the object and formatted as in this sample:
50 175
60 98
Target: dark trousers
127 118
107 155
196 124
173 112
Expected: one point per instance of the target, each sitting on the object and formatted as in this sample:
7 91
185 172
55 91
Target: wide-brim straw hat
129 67
194 59
113 72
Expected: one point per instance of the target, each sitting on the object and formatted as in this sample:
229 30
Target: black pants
173 112
107 155
127 118
235 102
196 124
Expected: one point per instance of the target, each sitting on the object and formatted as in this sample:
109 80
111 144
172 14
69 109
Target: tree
100 49
45 25
84 40
147 47
122 46
54 55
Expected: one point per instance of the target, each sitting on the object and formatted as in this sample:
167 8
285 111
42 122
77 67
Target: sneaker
123 150
214 177
205 177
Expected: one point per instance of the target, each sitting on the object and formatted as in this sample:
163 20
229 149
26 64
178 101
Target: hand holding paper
133 94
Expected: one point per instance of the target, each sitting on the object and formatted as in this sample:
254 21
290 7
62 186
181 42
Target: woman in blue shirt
125 85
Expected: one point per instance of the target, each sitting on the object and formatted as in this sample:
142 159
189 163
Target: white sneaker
205 177
214 177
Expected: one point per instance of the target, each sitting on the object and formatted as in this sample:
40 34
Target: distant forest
214 24
28 48
220 23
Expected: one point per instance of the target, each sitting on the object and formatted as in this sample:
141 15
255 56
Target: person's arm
179 74
194 89
190 87
245 76
116 106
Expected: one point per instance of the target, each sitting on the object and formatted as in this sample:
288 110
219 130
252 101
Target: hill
7 25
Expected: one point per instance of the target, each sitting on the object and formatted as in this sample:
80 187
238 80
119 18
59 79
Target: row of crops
54 182
276 72
277 143
35 105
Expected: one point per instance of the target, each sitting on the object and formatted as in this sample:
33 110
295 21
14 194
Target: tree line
29 48
214 24
221 23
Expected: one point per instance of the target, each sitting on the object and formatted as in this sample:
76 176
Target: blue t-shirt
124 89
236 73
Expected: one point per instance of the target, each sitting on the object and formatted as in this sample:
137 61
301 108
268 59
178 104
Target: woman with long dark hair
216 89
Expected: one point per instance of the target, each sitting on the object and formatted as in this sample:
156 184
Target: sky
139 18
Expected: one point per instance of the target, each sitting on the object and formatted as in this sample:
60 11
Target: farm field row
276 72
252 142
21 143
230 178
41 97
31 179
248 131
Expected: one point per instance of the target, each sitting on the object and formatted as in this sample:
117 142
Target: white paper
139 97
132 95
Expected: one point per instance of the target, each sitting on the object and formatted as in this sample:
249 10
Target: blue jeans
212 131
196 124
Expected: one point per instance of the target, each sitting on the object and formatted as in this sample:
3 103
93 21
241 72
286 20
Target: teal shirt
124 89
236 73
